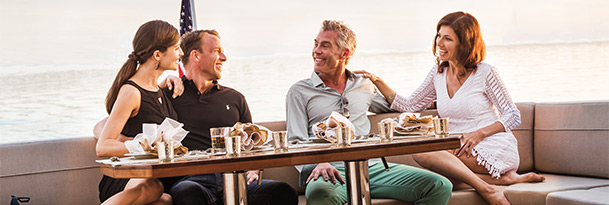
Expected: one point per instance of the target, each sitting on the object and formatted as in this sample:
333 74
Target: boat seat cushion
582 196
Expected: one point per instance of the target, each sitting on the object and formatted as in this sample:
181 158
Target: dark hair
192 41
471 48
151 36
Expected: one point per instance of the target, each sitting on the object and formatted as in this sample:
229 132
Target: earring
157 65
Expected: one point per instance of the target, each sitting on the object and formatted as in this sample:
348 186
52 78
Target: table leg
358 189
235 188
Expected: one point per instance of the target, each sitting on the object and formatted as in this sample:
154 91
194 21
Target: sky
58 32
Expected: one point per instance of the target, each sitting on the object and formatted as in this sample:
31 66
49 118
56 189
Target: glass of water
217 135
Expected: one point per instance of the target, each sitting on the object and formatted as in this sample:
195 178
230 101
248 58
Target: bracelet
390 97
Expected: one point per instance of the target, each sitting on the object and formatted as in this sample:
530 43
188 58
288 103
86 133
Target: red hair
471 47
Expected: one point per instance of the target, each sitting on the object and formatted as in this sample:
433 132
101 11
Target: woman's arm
497 93
420 99
380 85
126 105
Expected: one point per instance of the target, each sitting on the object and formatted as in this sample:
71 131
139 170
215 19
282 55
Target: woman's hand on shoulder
173 83
368 75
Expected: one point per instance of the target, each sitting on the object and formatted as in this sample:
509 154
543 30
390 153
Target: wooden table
355 157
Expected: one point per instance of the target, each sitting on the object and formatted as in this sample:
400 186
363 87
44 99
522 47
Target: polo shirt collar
188 82
316 80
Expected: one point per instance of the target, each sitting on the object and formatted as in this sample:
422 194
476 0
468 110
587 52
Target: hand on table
327 171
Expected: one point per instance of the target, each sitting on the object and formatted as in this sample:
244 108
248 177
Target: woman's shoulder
129 90
484 68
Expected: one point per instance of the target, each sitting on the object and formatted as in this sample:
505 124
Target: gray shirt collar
316 80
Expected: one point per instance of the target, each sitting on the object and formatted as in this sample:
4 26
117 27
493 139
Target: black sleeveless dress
154 108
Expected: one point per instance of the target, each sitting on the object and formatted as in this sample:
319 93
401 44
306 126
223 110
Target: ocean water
65 101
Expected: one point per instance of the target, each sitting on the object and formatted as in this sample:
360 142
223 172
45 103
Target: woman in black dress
134 99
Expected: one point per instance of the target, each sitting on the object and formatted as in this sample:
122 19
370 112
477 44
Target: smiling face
326 53
447 44
212 57
170 58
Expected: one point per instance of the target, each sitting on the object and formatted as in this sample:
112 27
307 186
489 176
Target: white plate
142 156
410 133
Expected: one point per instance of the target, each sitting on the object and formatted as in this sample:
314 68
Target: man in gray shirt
332 87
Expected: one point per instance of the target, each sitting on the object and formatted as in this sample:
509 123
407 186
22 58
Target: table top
322 152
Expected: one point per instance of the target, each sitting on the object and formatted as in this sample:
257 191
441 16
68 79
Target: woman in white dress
472 95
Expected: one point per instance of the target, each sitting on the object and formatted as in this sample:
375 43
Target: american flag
187 23
186 19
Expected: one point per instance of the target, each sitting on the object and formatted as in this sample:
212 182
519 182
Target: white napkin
169 130
248 141
327 130
403 124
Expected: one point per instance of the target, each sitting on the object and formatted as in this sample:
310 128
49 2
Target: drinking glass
232 145
440 126
386 131
280 141
217 135
165 151
343 136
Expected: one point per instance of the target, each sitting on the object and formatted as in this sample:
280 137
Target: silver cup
441 126
343 136
165 151
217 135
280 141
386 131
232 145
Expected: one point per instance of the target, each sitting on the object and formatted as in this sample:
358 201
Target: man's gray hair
346 37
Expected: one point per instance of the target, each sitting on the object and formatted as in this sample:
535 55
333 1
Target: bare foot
533 177
512 177
494 195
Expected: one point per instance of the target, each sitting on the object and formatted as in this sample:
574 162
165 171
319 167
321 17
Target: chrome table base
358 189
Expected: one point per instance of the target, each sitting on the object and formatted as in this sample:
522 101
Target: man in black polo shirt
206 104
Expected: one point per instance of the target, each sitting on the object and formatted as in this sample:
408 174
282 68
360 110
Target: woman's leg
447 164
138 191
509 178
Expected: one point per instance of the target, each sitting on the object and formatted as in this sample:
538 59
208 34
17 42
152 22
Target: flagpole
194 15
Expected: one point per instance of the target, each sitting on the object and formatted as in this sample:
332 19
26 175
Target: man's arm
173 83
245 114
297 121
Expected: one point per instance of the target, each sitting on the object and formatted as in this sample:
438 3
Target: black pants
207 189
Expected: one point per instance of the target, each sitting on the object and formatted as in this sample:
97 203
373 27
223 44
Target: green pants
401 182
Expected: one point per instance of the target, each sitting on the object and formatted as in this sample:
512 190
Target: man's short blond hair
346 37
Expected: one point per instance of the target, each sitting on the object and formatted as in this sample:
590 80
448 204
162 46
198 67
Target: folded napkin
326 129
412 122
168 131
251 134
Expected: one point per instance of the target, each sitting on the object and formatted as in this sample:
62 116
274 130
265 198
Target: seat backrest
524 135
572 138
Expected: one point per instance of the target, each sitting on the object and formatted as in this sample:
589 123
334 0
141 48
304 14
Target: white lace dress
481 101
